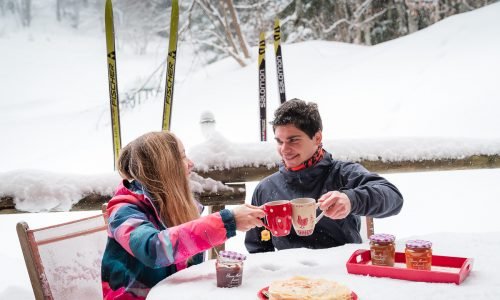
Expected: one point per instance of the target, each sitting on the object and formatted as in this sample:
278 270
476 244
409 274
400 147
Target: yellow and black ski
279 60
112 80
172 52
262 86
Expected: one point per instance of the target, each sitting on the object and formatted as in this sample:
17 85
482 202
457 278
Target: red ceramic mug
278 217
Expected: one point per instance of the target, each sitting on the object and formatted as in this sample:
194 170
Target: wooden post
212 254
370 227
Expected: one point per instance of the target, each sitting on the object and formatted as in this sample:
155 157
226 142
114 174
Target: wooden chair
64 260
368 227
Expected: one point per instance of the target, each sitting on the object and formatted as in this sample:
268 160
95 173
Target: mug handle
321 215
264 221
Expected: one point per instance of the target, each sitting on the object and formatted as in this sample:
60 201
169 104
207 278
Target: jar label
419 261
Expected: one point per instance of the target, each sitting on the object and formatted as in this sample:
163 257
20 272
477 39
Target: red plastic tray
458 268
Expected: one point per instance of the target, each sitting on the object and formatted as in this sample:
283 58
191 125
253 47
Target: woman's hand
247 217
335 204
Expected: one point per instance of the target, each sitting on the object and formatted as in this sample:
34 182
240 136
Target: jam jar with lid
418 254
382 249
229 269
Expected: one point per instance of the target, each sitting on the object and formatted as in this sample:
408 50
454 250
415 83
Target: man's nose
284 147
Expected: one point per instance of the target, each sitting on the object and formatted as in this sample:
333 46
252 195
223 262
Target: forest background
223 28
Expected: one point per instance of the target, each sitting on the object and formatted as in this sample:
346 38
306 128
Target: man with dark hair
345 190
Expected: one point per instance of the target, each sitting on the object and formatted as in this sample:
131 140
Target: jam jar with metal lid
382 249
229 269
418 254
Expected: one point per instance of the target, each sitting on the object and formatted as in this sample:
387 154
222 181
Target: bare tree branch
334 25
225 50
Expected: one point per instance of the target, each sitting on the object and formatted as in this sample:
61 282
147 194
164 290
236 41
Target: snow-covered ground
438 84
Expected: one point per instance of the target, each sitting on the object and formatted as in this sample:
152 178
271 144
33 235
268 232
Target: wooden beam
252 173
94 201
448 164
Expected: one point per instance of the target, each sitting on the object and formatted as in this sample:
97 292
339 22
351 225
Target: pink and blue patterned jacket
141 250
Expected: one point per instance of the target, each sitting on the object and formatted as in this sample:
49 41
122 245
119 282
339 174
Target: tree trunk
356 30
227 29
26 13
412 19
58 10
402 18
299 10
367 27
435 13
237 28
344 12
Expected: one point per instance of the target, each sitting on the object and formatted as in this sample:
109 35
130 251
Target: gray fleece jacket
370 195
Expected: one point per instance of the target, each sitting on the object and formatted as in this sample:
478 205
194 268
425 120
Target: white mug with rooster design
304 215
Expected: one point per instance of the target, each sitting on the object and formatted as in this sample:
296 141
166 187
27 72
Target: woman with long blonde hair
155 228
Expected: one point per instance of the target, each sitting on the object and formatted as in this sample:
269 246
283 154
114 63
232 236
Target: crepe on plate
305 288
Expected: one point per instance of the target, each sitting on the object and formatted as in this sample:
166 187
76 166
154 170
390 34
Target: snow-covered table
199 282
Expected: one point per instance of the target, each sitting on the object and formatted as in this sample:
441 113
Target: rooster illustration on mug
302 221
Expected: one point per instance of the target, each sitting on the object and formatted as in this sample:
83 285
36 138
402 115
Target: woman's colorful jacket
141 250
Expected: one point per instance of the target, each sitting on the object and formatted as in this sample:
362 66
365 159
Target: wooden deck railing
218 200
94 201
255 173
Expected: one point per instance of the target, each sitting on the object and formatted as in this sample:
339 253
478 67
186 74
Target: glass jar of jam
418 254
382 249
229 269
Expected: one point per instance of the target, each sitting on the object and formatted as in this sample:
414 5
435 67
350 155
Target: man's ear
318 137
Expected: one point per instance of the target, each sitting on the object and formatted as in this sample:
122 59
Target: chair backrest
104 209
64 260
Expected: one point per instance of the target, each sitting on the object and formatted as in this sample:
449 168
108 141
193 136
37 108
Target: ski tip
262 46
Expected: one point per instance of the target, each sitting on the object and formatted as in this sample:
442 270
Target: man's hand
335 204
247 217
